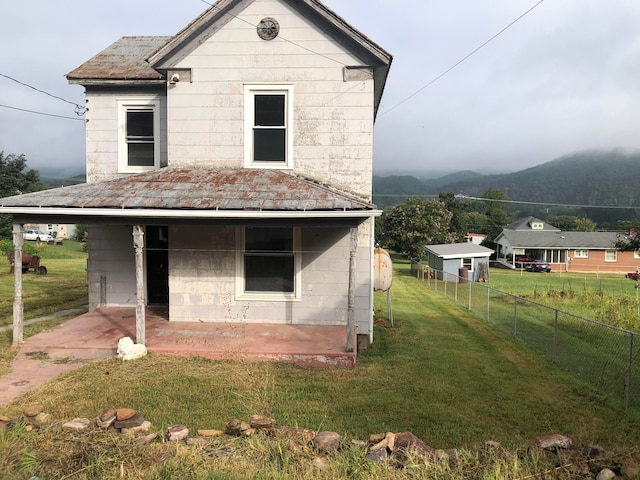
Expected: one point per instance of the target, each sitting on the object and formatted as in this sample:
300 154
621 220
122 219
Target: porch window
139 134
268 124
581 254
610 255
270 263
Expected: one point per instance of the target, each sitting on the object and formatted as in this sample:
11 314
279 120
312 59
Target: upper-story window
268 139
138 134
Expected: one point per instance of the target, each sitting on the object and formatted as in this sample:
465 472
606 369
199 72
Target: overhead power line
80 109
473 52
41 113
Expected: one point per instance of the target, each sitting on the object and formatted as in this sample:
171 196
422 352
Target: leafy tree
571 223
14 180
631 241
497 217
458 209
409 227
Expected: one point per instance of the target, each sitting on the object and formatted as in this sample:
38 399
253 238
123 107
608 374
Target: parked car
520 260
38 236
538 266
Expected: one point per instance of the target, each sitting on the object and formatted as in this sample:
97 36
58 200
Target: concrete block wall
111 255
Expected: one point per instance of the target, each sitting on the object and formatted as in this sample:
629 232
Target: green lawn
64 286
441 372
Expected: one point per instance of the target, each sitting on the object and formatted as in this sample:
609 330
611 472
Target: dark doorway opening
157 243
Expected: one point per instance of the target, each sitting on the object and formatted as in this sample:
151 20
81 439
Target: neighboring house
476 238
229 169
58 230
459 261
566 251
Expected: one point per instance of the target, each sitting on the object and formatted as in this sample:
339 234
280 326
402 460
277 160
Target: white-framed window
610 255
537 226
268 125
581 254
468 264
138 134
268 263
636 254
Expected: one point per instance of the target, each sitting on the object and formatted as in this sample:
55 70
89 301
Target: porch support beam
351 315
138 245
18 307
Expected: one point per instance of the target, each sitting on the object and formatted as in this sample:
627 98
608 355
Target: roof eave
189 214
97 82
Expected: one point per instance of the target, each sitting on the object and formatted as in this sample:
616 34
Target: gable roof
558 239
123 60
195 193
525 224
459 250
143 59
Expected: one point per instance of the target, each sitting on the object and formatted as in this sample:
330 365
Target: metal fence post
515 316
555 338
488 304
627 386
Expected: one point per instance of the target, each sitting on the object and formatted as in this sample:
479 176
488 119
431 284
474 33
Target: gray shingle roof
558 239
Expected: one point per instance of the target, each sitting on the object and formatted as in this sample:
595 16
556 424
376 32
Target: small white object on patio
127 350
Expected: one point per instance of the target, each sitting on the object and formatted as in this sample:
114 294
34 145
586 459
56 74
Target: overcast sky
564 78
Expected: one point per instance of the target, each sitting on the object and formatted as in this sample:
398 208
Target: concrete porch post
18 307
351 313
138 245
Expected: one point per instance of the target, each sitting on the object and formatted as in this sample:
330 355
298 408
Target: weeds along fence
605 356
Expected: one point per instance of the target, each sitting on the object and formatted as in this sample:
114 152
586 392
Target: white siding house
238 153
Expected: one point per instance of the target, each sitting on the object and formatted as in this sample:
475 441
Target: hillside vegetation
587 178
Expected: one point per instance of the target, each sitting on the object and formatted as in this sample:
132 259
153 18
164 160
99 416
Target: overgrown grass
440 372
607 298
64 286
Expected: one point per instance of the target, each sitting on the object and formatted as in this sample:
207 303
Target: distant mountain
463 176
598 178
587 178
48 183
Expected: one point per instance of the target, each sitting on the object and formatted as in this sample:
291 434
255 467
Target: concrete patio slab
94 335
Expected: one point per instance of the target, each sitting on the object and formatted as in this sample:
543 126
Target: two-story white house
229 169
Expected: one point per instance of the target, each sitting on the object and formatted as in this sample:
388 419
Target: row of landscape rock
386 448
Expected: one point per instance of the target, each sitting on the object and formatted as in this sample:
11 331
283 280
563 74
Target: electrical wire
473 52
461 196
41 113
80 109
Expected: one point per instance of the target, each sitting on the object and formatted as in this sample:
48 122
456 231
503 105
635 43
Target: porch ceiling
195 193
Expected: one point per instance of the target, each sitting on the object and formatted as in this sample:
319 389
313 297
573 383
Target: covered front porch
95 334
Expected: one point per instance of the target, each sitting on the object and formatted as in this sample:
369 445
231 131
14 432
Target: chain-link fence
605 356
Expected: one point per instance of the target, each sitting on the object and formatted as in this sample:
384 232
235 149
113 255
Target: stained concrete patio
94 335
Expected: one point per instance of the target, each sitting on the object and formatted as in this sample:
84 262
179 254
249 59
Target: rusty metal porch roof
197 193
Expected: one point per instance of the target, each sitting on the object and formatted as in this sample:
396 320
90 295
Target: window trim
125 104
250 91
615 255
581 253
470 262
241 294
636 254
